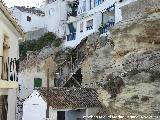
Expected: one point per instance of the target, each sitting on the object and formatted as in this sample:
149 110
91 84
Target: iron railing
106 27
71 36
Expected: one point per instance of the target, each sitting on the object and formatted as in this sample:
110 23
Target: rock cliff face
129 72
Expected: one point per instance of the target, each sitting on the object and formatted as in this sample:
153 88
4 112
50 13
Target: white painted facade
35 23
86 13
9 40
28 75
55 17
34 108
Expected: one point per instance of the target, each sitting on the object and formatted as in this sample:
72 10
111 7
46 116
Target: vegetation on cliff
47 39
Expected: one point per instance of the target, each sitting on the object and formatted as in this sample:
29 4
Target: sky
31 3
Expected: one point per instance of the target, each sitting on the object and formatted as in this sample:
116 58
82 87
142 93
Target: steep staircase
69 69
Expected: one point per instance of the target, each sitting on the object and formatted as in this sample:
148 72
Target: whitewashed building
30 18
96 16
55 16
10 34
64 104
33 74
71 23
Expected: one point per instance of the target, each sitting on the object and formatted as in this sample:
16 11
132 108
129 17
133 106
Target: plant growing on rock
113 85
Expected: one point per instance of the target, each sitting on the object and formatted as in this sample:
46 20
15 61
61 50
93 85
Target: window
28 19
60 115
51 11
37 82
89 24
91 4
81 27
84 6
38 69
98 2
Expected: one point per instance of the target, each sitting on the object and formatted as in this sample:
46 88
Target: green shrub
35 45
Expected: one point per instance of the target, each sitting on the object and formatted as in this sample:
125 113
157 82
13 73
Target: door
3 107
61 115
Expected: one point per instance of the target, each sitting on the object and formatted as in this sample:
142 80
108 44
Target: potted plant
101 29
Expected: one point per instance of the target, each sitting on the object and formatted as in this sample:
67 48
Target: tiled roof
31 10
71 98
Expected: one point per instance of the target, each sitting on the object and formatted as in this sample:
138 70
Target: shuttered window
37 82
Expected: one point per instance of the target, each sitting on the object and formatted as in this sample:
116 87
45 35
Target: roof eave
7 13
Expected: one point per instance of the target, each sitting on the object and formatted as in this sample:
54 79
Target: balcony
4 83
71 36
104 28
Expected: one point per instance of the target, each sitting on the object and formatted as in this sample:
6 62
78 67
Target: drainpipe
102 17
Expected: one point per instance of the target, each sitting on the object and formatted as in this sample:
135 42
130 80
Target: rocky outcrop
129 73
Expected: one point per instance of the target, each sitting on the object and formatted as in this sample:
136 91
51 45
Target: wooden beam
76 81
77 55
71 63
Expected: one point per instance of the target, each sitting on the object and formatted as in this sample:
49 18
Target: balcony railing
71 36
10 66
105 27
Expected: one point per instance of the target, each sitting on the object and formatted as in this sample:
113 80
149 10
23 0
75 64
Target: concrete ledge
3 91
8 84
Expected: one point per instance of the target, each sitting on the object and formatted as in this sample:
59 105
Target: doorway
60 115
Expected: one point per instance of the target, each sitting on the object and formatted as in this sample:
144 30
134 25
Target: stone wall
138 7
35 34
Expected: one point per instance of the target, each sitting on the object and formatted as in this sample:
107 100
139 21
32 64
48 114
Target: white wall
36 21
73 115
8 29
12 100
91 111
26 79
34 108
54 22
96 15
97 18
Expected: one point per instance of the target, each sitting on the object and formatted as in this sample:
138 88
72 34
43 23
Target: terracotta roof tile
63 98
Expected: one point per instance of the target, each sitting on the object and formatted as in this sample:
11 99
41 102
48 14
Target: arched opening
6 48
